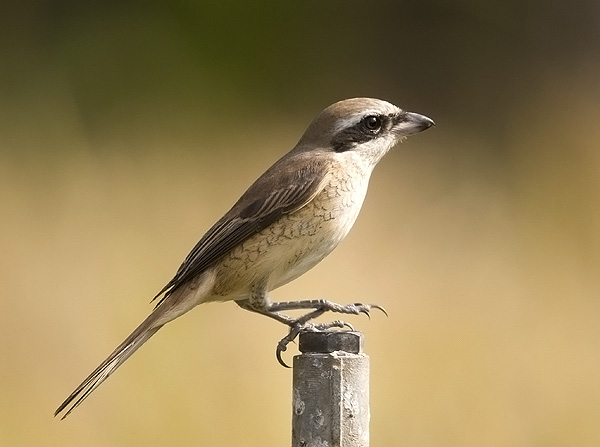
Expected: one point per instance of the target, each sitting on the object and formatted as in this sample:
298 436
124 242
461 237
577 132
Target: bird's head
366 125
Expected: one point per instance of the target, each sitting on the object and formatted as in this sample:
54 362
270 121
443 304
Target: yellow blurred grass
487 266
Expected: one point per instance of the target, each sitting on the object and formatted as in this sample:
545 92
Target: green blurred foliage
128 128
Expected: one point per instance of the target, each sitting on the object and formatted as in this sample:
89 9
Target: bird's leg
260 303
324 306
282 318
320 306
303 325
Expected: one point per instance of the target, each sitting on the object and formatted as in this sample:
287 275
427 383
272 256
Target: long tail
131 344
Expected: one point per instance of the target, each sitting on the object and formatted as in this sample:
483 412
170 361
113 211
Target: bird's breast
294 243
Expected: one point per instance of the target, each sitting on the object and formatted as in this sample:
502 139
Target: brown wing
282 189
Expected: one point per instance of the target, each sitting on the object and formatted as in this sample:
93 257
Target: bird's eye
372 123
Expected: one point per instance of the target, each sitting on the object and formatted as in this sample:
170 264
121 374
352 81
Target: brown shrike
289 219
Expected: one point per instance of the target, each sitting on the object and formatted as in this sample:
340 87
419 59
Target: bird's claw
282 345
380 308
302 324
366 309
324 326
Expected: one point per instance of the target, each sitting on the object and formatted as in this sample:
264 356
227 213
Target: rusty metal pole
330 391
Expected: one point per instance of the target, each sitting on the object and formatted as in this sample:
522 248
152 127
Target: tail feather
131 344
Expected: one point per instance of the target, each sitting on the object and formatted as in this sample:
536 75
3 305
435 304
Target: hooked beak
408 123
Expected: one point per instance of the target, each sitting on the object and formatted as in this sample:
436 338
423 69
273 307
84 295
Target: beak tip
424 121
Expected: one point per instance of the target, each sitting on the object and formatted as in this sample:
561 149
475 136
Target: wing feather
278 191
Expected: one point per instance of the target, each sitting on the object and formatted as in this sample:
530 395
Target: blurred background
128 128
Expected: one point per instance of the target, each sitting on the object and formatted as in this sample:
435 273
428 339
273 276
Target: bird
286 222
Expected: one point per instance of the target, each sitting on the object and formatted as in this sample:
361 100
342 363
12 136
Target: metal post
330 391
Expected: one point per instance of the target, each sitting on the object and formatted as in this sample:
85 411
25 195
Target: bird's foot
322 306
301 326
356 308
